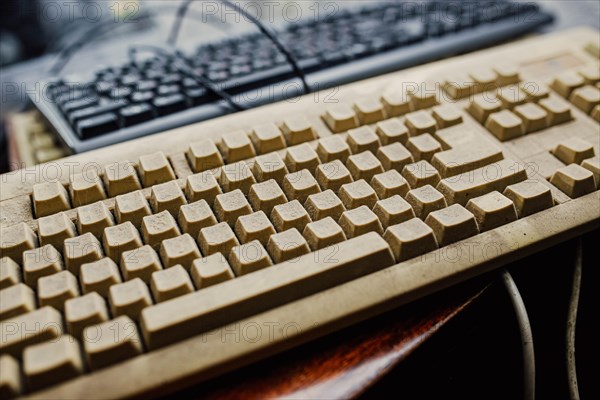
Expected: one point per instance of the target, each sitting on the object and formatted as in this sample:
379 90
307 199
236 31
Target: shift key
232 300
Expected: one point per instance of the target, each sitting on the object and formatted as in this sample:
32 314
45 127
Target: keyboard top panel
271 211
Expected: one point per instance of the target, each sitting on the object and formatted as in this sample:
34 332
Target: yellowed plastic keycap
211 270
129 298
364 165
301 157
120 238
474 154
324 204
332 148
505 125
50 198
195 216
81 249
203 155
237 176
497 176
255 226
43 261
558 110
140 263
269 166
340 117
297 129
389 183
362 139
249 257
492 210
323 233
332 175
54 290
590 73
395 101
574 180
155 168
202 186
446 115
167 197
369 110
420 174
394 156
585 98
529 197
121 177
158 227
16 239
593 165
266 195
94 218
16 300
290 215
236 146
10 273
459 86
81 312
393 210
266 138
287 245
573 150
534 91
359 221
422 96
299 185
86 188
230 206
452 224
410 239
511 96
47 364
55 229
170 283
420 122
424 200
180 250
11 384
41 325
533 116
423 147
357 194
217 239
566 82
391 131
507 73
483 106
99 276
111 342
132 207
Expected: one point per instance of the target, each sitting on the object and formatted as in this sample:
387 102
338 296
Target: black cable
187 71
525 333
263 29
572 322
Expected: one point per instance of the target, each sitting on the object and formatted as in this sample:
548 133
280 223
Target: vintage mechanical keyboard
146 266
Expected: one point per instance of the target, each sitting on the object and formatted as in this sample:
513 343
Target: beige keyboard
149 265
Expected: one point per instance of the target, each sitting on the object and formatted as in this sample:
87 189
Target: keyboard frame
204 356
460 42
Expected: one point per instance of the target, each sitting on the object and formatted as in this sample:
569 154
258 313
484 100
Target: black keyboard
152 95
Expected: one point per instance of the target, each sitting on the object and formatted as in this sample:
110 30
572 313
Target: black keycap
198 96
105 87
97 125
78 104
136 113
141 97
120 92
88 112
169 104
130 79
154 73
242 69
145 85
166 90
170 79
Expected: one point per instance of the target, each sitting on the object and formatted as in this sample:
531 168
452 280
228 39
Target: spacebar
209 308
